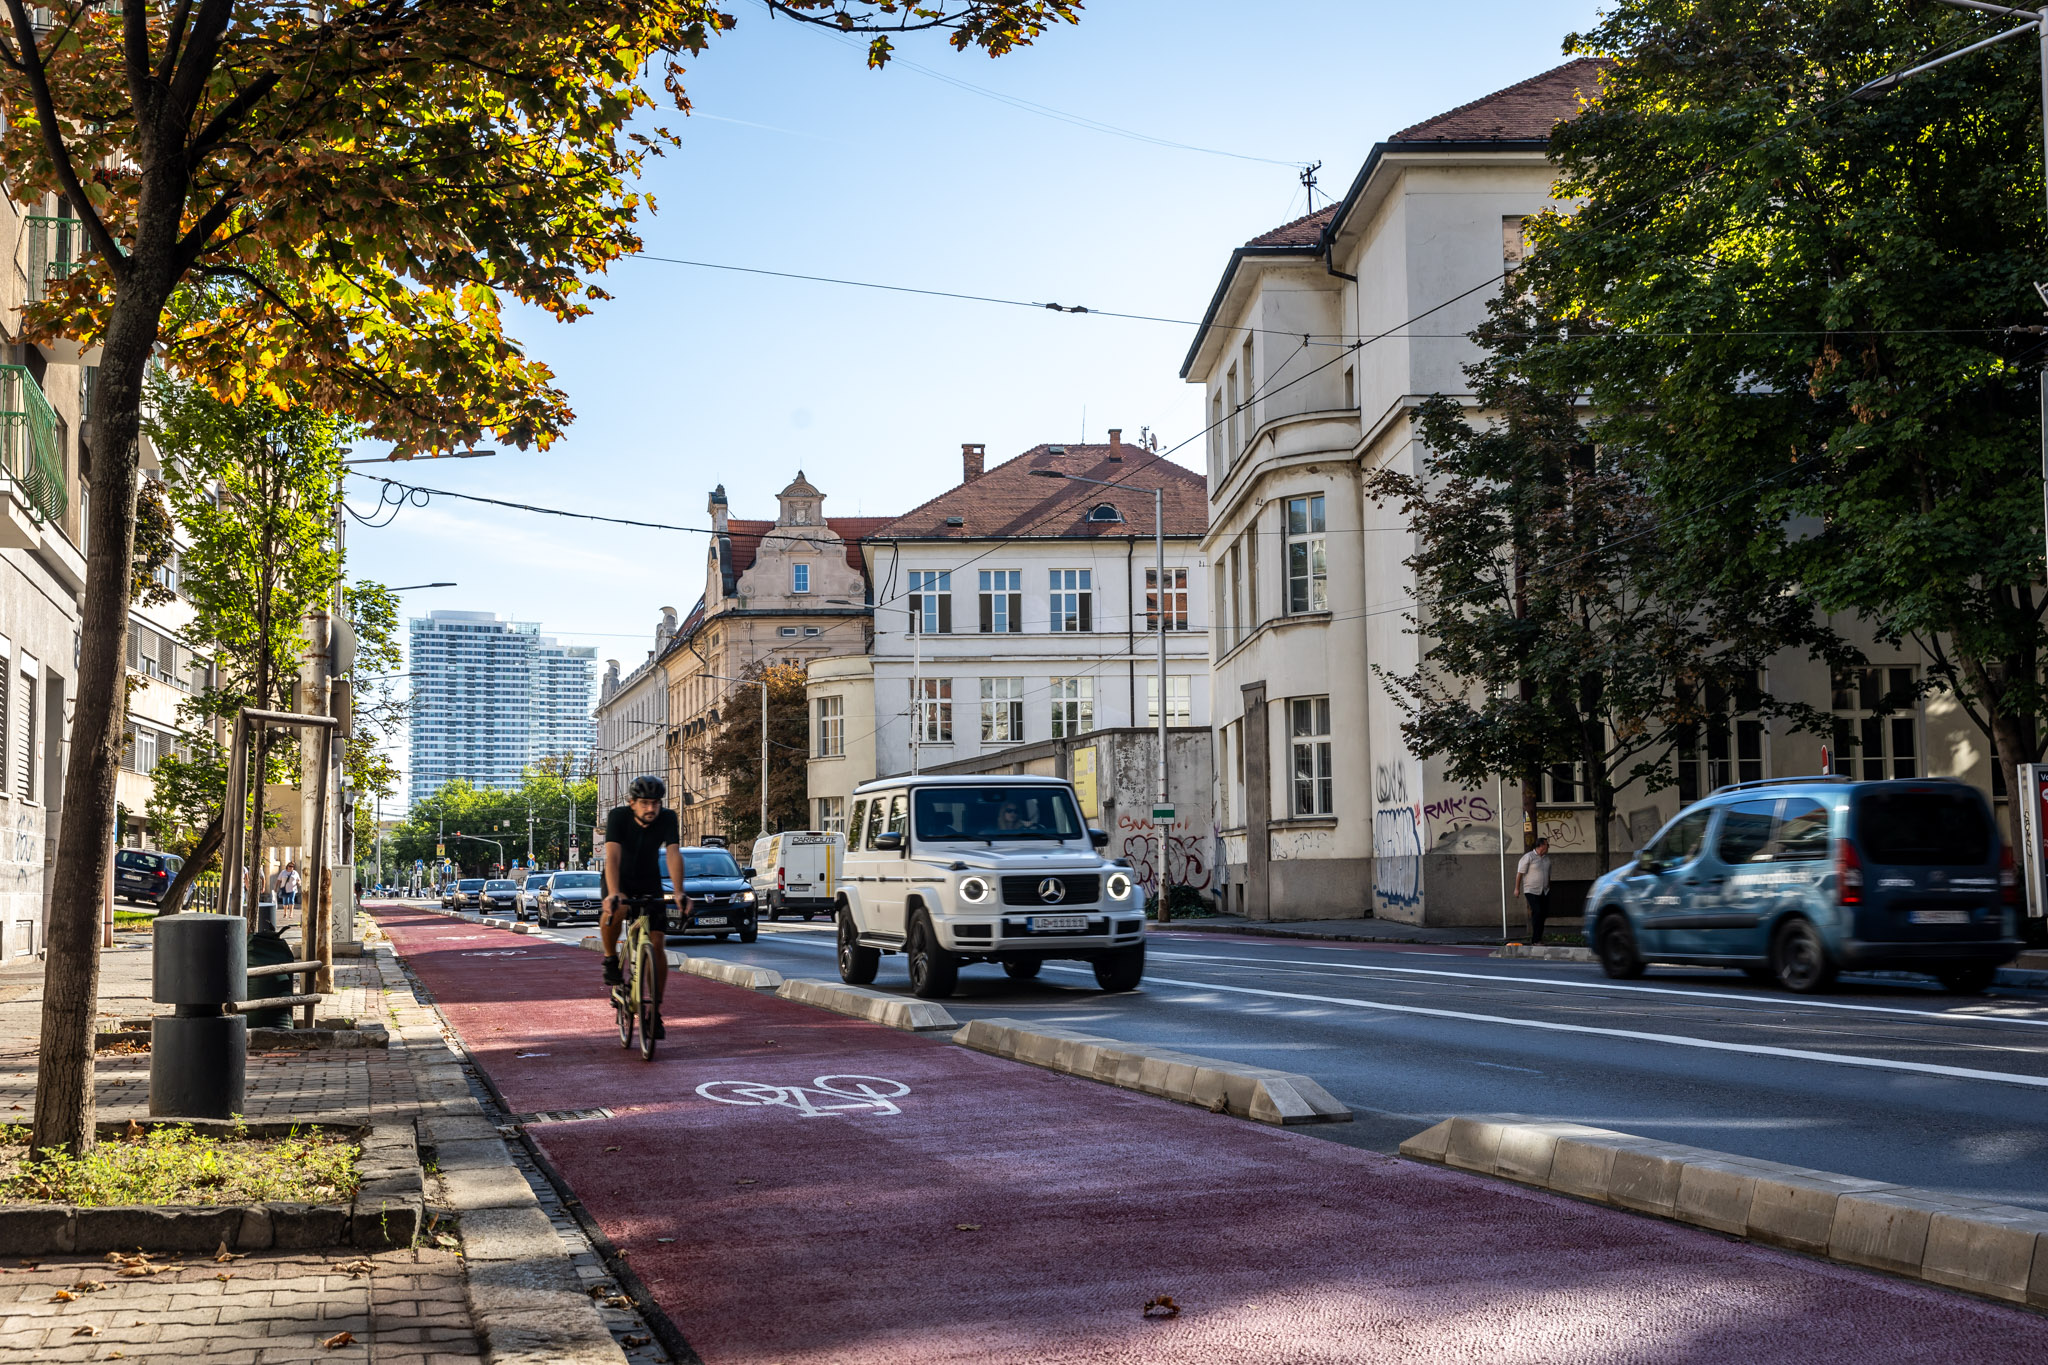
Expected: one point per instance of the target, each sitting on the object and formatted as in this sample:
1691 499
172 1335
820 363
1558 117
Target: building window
6 716
1350 388
831 727
140 749
1180 702
1563 784
1236 596
931 602
1309 727
1073 707
1877 724
1307 563
1217 463
812 630
1514 242
789 632
1725 748
933 703
1230 399
799 578
25 739
832 814
1176 599
1002 601
1002 710
1073 599
1251 390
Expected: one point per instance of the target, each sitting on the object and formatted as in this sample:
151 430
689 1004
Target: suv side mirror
1098 838
889 841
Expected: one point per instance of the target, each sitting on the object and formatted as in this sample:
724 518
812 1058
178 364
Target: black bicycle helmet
647 787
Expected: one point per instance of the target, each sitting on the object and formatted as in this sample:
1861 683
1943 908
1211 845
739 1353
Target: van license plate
1938 917
711 919
1058 924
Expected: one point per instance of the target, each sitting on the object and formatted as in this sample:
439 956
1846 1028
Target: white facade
491 696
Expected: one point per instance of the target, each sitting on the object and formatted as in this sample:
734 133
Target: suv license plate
711 919
1938 917
1058 924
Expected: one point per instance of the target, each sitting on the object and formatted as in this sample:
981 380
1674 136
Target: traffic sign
440 850
1162 812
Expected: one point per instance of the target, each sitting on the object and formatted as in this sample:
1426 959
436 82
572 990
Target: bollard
199 1056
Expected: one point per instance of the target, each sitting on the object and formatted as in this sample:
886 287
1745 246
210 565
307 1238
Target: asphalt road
1882 1079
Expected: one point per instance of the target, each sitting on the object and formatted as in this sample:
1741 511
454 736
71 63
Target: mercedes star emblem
1052 891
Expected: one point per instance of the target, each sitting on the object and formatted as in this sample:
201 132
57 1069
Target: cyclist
637 836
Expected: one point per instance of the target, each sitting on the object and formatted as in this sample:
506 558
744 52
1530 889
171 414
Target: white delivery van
797 871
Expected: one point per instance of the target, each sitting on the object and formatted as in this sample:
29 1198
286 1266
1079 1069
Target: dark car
499 897
568 895
466 894
720 895
141 877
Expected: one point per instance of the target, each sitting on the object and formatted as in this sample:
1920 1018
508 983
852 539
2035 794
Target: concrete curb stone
1261 1094
731 973
891 1011
1976 1245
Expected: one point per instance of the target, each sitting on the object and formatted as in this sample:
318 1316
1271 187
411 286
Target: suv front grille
1080 888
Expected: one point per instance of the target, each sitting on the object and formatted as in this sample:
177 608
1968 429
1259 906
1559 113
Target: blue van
1797 879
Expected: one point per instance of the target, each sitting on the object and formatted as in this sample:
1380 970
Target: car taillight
2008 876
1848 873
781 878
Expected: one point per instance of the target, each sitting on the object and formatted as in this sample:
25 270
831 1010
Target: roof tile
1010 501
1524 112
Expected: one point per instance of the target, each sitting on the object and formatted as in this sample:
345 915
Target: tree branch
53 140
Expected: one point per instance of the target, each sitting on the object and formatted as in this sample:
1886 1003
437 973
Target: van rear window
1924 829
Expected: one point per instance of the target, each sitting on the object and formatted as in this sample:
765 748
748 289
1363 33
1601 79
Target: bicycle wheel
650 1007
623 1005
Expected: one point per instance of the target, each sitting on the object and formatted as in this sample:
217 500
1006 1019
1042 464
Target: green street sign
1162 812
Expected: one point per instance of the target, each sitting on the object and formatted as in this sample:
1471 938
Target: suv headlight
746 898
975 890
1119 885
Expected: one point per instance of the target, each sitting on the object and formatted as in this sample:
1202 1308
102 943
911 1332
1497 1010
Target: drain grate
561 1116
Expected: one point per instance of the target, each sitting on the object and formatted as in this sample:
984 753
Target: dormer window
799 578
1105 511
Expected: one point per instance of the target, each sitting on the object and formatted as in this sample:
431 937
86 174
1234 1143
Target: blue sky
800 159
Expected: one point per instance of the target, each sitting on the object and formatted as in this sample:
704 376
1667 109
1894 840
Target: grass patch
174 1165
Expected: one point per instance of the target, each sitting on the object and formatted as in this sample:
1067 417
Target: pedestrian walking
288 885
1532 882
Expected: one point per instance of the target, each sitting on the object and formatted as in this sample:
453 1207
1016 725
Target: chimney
1116 443
972 458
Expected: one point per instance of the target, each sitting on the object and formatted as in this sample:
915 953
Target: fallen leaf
362 1265
619 1301
967 1227
443 1239
339 1340
631 1341
134 1131
1164 1305
89 1286
87 1330
31 1265
224 1277
223 1256
117 1355
63 1296
131 1272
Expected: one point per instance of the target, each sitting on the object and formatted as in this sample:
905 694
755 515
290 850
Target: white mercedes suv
959 870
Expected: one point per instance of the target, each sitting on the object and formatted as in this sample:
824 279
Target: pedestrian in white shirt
1532 883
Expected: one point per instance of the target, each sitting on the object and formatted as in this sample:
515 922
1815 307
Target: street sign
440 850
1162 812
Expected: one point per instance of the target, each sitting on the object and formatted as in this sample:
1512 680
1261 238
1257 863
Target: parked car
568 895
142 877
498 896
797 871
1794 880
958 870
526 905
467 893
720 895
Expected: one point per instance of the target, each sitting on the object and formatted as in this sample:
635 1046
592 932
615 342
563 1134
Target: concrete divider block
732 973
2037 1283
1645 1176
1431 1143
1987 1250
1717 1193
1474 1145
1885 1229
1799 1209
1584 1165
912 1016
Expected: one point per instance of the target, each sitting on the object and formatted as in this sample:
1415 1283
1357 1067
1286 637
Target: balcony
28 444
56 247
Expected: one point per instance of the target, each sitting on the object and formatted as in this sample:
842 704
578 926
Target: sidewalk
1340 930
426 1305
798 1186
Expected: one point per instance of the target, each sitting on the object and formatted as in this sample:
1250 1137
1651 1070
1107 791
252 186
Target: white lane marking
1722 996
857 1095
1503 1066
1634 1035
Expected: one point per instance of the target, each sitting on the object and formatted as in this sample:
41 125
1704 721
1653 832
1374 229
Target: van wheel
1971 980
1022 969
1618 955
1120 969
934 972
857 965
1800 960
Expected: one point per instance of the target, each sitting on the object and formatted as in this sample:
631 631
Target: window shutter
135 648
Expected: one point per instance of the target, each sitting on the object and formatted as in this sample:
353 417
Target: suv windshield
1924 829
575 881
714 862
996 813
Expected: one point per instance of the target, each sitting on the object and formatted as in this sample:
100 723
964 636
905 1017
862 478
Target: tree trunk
203 852
85 839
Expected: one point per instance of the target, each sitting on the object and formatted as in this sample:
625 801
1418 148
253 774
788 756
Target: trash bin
198 1055
267 948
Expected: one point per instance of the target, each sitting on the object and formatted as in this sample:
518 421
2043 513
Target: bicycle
638 1002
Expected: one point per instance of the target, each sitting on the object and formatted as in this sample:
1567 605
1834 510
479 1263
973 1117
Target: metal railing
28 443
56 247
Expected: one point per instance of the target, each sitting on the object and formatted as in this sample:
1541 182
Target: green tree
732 751
1551 638
1810 323
368 181
561 814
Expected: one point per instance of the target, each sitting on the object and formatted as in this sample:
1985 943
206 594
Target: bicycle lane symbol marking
824 1097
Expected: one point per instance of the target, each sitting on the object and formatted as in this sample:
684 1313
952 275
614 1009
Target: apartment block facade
490 697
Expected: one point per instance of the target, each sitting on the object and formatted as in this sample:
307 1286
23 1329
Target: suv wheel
934 972
1619 957
1800 960
1022 968
1120 969
750 931
1968 980
857 965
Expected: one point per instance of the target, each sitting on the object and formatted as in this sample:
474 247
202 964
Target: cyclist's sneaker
612 975
656 1027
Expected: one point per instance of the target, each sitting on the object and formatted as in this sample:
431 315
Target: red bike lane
957 1207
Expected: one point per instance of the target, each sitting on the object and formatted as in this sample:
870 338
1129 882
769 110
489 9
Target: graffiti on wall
1397 827
1291 845
1567 830
1185 855
1465 823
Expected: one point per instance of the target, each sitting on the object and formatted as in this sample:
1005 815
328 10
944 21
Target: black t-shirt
640 848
